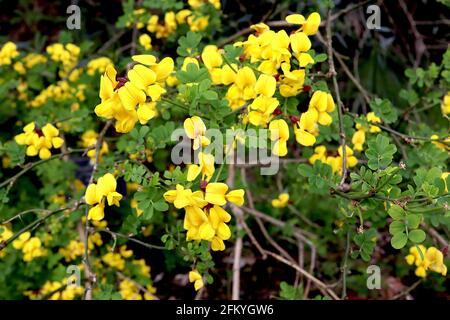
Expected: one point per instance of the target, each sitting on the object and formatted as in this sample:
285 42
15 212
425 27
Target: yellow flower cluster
89 139
281 201
335 162
39 140
69 292
195 4
359 137
273 49
121 96
31 246
5 234
66 54
445 105
129 290
196 277
430 259
205 219
59 91
98 65
320 105
99 193
8 52
28 62
172 20
73 250
144 268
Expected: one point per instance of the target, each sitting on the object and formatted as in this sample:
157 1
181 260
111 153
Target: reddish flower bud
277 112
294 119
203 184
306 88
121 82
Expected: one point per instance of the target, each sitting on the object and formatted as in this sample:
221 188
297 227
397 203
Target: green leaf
160 205
320 57
396 212
384 109
399 240
413 220
189 44
417 236
396 227
380 152
305 170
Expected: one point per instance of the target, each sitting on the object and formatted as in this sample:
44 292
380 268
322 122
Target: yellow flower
427 259
261 110
300 42
125 252
105 188
372 118
197 24
236 196
436 261
279 132
8 52
195 277
98 65
181 197
281 201
358 139
215 193
320 153
114 260
265 85
308 26
5 233
307 126
39 140
73 250
21 240
205 167
211 57
291 83
445 105
145 41
195 129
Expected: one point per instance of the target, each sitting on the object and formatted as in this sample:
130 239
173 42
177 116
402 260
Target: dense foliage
90 188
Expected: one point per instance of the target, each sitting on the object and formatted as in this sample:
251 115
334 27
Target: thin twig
31 165
407 291
238 244
120 235
333 73
319 283
344 267
37 223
